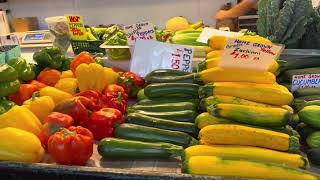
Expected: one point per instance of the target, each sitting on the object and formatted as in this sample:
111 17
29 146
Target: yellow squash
232 134
56 94
40 106
19 145
273 94
219 74
258 116
237 168
247 152
214 54
22 118
205 119
219 42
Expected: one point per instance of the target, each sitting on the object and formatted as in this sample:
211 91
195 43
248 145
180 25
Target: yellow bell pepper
68 85
40 106
56 94
94 77
112 76
67 74
22 118
19 145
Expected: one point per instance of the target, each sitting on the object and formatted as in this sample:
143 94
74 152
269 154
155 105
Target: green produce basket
13 53
89 46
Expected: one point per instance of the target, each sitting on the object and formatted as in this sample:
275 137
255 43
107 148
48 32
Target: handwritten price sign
76 27
249 55
305 81
152 55
143 31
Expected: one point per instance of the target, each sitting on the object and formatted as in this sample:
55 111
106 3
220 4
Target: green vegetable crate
85 45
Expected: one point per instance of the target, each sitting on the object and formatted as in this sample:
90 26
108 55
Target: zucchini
313 140
144 120
248 153
167 100
150 134
258 116
287 75
233 134
306 62
164 89
314 155
122 148
167 72
310 103
140 95
308 98
181 116
310 115
168 107
170 79
217 166
307 92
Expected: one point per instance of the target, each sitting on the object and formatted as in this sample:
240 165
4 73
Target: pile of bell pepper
60 101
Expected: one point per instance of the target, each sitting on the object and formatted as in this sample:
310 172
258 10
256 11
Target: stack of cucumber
245 131
161 123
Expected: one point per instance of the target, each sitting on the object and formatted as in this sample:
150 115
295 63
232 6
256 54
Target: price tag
249 55
76 27
7 40
144 30
152 55
305 81
208 32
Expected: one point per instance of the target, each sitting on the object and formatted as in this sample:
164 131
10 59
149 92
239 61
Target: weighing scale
37 37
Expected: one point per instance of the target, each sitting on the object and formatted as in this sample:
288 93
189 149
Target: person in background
239 10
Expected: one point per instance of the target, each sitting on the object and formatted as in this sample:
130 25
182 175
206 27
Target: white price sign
249 55
208 32
305 81
144 30
152 55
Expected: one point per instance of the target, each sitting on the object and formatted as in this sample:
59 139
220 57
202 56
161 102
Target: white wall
118 11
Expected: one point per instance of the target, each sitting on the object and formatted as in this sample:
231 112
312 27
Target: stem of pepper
35 95
69 133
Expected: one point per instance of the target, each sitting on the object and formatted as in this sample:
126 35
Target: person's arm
240 9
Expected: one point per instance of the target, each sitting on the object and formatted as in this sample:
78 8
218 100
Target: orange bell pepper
83 57
49 76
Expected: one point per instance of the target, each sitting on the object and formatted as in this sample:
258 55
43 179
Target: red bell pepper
114 90
131 82
72 146
79 108
83 57
38 84
24 93
53 123
102 123
97 97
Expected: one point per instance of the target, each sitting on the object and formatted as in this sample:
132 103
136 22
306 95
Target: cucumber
122 148
310 116
313 140
307 92
168 107
150 134
304 131
189 78
164 89
314 156
144 120
308 98
181 116
300 105
167 100
310 103
287 75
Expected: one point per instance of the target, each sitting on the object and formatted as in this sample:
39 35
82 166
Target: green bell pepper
5 105
9 83
65 64
49 57
25 70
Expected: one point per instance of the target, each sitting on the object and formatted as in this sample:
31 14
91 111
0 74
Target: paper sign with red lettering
76 27
144 30
249 55
305 81
152 55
